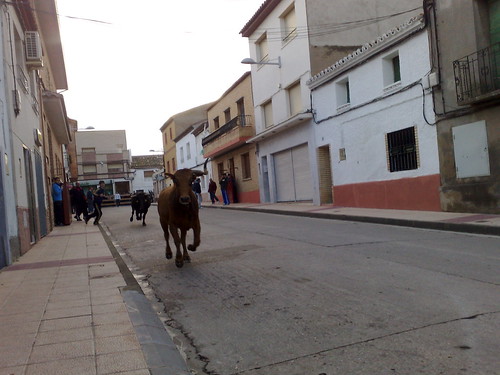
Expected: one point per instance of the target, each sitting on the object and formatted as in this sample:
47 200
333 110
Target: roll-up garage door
293 175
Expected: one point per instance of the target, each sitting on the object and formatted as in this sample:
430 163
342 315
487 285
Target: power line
26 3
330 28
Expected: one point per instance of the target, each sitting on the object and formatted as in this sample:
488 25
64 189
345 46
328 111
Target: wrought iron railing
477 76
240 120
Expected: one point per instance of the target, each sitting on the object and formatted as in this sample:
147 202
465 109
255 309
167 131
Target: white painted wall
196 159
361 130
142 183
271 82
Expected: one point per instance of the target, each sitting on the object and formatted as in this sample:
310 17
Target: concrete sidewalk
70 306
449 221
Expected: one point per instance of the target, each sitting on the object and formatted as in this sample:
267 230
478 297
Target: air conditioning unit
33 49
16 96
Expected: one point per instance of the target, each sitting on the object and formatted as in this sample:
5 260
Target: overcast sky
145 61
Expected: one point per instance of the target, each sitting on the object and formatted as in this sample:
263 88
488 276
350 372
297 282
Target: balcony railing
240 120
477 76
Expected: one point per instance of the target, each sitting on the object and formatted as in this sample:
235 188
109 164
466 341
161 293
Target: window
227 115
220 169
188 151
182 154
294 98
230 164
148 174
90 169
391 69
170 132
168 166
216 123
268 114
115 167
494 15
173 164
240 104
262 49
88 155
402 150
343 93
289 25
246 172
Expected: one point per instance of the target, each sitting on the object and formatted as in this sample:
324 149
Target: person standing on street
223 188
98 198
90 200
197 191
79 201
118 198
57 197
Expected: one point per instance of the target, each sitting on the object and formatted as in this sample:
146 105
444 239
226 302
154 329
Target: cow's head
183 178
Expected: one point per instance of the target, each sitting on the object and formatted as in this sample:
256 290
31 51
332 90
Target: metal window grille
402 150
477 76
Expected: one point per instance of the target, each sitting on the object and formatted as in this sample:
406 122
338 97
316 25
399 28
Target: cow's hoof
131 219
143 224
191 248
168 256
187 259
179 263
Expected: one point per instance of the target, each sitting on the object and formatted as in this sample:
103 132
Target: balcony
229 136
477 76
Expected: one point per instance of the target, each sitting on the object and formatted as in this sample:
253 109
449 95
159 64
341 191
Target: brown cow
178 210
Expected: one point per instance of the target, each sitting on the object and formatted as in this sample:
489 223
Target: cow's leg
168 250
179 262
185 255
132 217
144 219
196 236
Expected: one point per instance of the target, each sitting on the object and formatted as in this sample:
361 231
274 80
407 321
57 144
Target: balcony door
494 11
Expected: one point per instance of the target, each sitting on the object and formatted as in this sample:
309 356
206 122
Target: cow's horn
205 170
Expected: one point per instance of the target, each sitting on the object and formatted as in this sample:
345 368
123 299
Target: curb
160 352
436 225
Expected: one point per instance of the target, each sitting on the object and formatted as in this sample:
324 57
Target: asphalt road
279 295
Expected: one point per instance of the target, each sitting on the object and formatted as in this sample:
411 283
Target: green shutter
494 10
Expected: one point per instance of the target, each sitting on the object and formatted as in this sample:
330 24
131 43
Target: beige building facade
175 126
103 155
231 124
467 102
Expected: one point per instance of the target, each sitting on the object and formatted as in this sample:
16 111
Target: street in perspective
268 294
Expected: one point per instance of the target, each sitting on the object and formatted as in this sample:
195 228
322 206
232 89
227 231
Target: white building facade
375 122
289 42
283 124
189 151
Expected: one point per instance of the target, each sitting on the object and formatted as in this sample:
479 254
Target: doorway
325 175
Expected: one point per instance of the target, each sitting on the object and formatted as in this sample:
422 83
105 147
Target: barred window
402 150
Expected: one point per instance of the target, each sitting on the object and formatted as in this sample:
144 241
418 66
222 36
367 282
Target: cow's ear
172 177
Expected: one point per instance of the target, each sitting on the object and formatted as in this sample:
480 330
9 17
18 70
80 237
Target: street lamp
251 61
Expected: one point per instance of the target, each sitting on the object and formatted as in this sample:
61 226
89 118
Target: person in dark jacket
197 190
98 198
212 189
90 200
223 188
57 197
79 201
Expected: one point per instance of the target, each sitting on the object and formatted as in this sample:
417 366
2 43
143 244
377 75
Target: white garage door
293 175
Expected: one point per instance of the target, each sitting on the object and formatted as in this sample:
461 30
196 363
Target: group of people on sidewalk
87 205
227 187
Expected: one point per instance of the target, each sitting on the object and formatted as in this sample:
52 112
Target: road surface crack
409 330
